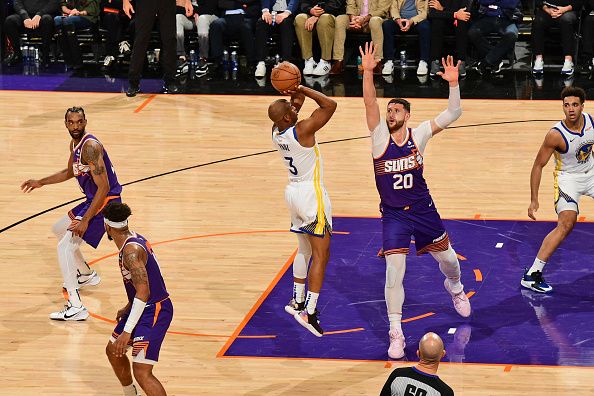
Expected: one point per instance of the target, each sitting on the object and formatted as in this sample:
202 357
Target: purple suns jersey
158 292
82 172
399 168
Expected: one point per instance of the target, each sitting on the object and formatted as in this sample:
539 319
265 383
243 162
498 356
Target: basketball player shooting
306 197
406 206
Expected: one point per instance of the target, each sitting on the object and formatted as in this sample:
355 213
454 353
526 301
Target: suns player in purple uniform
93 170
406 205
144 321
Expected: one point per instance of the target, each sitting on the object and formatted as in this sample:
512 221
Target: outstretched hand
368 61
450 73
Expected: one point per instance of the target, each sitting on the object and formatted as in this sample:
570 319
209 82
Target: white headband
116 224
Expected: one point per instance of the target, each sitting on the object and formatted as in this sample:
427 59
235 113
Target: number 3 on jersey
403 181
292 168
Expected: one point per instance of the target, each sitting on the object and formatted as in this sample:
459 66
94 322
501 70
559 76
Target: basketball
285 76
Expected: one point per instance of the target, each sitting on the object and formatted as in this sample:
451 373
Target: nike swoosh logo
571 140
66 316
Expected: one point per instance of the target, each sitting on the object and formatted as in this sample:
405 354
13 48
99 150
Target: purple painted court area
508 325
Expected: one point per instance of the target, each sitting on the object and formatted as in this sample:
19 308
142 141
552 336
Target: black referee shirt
409 381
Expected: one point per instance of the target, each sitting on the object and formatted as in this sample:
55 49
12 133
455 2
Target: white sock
299 292
311 301
450 267
74 297
67 259
538 265
395 322
130 390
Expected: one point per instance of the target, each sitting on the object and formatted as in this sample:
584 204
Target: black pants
115 25
588 38
146 12
439 26
543 21
485 25
230 26
423 29
287 37
13 26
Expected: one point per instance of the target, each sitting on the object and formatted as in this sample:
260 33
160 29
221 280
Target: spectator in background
36 16
146 12
206 14
76 15
238 20
421 379
560 13
407 16
361 16
320 15
116 23
183 22
279 14
495 16
442 15
588 37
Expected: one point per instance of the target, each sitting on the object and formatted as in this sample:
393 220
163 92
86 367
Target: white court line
452 330
499 245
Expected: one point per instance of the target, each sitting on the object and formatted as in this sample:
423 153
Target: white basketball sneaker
70 313
397 344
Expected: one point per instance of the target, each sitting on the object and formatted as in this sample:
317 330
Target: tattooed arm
135 262
92 155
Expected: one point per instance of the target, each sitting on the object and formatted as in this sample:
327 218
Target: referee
420 380
146 12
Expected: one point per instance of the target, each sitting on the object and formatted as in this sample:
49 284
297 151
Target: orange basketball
285 76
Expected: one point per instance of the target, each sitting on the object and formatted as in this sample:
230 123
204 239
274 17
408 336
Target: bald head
431 348
278 109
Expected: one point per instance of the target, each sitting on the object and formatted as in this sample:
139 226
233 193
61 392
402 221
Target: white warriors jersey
302 163
577 158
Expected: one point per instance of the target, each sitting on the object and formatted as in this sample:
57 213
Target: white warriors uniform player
306 197
570 141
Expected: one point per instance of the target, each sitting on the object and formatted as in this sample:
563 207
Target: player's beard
396 126
80 134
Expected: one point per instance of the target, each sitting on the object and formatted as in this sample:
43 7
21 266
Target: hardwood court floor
481 170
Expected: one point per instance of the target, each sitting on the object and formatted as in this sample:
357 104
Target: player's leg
300 265
86 276
394 295
567 195
122 369
147 381
431 237
450 267
533 278
320 253
74 309
396 241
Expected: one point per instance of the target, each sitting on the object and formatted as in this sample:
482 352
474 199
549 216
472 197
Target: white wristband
135 314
